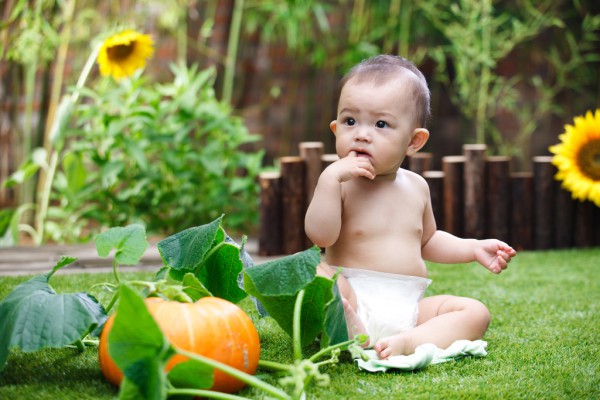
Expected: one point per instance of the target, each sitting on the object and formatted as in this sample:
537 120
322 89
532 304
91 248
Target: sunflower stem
57 139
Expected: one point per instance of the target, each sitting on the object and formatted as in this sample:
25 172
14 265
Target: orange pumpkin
212 327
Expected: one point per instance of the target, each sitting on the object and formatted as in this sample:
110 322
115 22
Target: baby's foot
392 346
353 323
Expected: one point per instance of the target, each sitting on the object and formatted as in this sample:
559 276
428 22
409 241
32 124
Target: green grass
543 343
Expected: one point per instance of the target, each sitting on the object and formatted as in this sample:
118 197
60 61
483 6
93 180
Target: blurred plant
577 157
166 155
479 36
120 56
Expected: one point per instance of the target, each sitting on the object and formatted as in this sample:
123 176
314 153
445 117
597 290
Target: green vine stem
236 373
199 393
297 339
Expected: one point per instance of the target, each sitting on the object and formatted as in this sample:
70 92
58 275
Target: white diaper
387 303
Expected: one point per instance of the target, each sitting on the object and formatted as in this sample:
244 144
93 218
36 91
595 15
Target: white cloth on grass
423 356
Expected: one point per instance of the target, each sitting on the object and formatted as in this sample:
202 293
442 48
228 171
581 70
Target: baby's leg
353 322
442 320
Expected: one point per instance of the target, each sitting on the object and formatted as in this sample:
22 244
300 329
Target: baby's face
376 121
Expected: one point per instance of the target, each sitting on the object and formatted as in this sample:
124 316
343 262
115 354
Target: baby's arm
443 247
323 219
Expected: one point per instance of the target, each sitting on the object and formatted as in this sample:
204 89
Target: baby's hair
381 68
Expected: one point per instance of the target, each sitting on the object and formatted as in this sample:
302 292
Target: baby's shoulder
413 179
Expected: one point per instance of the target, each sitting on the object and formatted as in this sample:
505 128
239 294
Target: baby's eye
350 121
381 124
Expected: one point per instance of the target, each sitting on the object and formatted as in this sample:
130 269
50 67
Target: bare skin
369 213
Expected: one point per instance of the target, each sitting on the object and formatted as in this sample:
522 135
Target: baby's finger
352 154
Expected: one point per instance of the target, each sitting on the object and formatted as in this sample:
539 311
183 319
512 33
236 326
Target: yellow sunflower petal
124 53
577 157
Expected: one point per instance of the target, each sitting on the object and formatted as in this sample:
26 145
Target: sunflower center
588 159
120 52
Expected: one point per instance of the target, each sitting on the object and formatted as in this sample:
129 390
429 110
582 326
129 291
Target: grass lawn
543 343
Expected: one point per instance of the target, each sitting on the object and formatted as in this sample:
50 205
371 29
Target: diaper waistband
366 273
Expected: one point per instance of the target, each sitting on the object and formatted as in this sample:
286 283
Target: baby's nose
363 134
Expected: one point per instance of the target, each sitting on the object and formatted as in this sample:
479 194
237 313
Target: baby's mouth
362 154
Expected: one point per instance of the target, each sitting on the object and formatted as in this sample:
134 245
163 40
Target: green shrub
167 155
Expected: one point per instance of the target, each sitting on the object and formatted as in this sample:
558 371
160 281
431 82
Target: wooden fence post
453 167
420 162
544 202
497 197
565 219
293 203
521 210
435 180
312 153
271 219
328 159
474 176
584 224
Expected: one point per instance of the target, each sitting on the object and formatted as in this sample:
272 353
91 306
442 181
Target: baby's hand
352 167
494 254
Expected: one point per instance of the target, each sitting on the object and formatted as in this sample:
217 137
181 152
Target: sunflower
122 54
578 157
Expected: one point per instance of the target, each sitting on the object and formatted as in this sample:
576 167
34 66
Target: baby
376 222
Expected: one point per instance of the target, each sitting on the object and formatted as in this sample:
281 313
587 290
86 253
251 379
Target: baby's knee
479 313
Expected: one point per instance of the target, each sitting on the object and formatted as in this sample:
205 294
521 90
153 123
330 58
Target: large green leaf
186 250
212 256
130 244
220 272
191 374
285 276
335 329
276 285
34 316
139 349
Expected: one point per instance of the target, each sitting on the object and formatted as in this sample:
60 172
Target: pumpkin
212 327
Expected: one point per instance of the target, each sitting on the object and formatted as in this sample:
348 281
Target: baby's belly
379 255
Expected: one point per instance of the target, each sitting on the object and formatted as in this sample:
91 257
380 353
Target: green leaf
5 218
286 275
186 250
220 273
139 349
276 285
191 374
130 243
75 172
35 317
194 288
335 329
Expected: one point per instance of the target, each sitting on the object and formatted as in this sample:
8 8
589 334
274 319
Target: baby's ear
419 138
333 126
